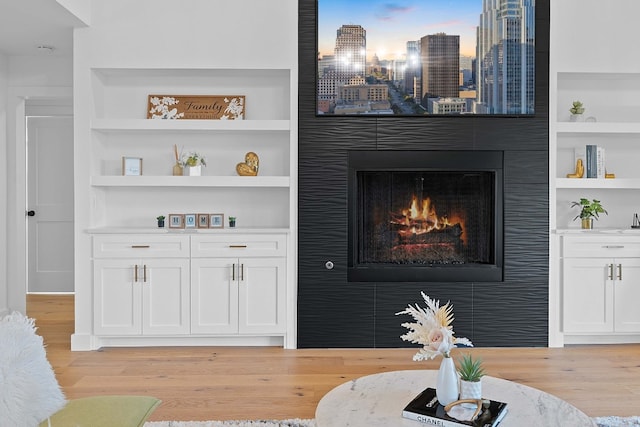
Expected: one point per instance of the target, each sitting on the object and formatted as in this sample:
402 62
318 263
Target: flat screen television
425 57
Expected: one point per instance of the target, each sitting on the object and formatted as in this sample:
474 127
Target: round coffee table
377 401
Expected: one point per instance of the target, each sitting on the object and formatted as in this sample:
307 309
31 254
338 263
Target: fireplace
425 216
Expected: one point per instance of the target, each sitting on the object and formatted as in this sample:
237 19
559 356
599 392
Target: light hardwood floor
221 383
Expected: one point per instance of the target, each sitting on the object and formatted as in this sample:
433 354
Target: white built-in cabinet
588 302
141 285
601 288
200 286
238 284
152 286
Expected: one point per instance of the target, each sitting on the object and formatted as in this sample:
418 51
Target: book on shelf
426 409
600 165
595 161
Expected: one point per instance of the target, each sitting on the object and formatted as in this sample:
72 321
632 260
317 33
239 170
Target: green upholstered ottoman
104 411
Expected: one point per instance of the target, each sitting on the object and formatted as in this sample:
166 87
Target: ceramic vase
447 389
192 170
470 390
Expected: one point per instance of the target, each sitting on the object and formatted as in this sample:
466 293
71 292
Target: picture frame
131 166
190 221
216 220
176 221
203 220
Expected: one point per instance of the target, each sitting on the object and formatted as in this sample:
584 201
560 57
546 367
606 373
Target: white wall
594 35
3 184
28 77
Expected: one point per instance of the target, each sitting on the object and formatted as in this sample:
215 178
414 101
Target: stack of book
426 409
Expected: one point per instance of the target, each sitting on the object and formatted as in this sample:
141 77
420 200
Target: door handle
31 213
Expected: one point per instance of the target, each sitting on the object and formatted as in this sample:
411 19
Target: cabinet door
262 295
116 297
627 295
214 296
165 296
587 295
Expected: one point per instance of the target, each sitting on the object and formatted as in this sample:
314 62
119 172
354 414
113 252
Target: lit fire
423 218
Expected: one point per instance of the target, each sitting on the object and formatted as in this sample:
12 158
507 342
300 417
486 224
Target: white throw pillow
29 391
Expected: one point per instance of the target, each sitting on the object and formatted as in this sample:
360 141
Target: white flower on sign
161 108
234 110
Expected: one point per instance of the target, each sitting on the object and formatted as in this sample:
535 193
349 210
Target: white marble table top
377 401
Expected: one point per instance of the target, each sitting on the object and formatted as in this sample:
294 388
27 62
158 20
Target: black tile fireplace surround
334 312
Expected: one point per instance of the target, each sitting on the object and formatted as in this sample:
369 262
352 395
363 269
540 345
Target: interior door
50 204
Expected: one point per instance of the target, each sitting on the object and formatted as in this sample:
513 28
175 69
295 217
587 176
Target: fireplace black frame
425 160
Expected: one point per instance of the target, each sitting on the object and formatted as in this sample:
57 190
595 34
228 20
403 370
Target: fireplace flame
421 218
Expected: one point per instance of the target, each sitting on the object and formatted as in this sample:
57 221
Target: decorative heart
250 165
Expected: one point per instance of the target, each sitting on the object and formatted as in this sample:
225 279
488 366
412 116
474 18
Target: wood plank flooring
222 383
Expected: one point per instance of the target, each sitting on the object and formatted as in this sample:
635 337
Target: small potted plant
192 164
160 219
471 372
232 221
589 210
576 111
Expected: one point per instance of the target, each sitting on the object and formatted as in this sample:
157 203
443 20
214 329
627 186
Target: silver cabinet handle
610 271
135 273
619 271
140 246
233 272
613 247
242 272
144 273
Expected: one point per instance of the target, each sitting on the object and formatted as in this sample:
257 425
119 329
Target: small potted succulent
576 110
232 221
192 164
471 373
160 219
589 210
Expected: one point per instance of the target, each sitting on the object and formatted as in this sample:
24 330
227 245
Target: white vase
192 170
447 384
470 390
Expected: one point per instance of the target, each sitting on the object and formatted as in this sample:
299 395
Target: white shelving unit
116 126
597 71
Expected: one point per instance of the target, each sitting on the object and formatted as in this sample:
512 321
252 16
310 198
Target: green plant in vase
576 110
192 163
470 369
589 210
471 372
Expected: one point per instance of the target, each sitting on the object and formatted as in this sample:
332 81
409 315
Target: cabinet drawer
600 246
255 245
140 246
